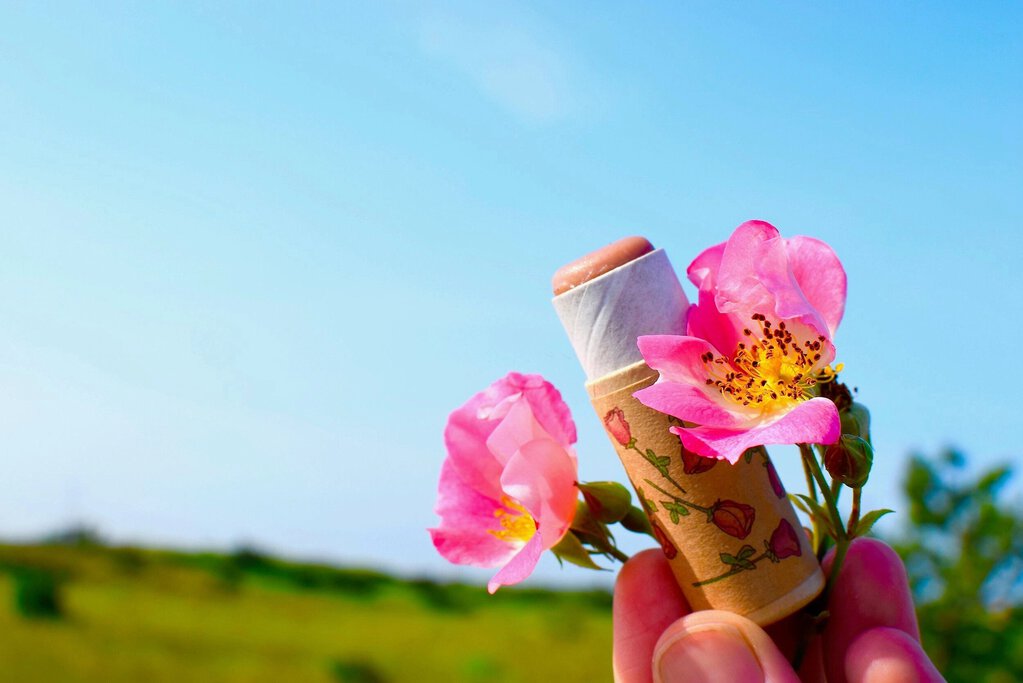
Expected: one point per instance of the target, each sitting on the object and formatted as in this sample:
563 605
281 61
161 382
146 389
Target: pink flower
508 486
758 341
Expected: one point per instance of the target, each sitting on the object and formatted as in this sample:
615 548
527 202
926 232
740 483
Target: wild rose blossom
508 485
759 339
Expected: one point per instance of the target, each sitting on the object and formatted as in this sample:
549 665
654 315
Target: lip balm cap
598 262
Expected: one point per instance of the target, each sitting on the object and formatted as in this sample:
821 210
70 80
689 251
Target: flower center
517 525
773 369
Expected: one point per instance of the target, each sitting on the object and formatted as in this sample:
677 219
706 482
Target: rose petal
541 476
519 567
814 421
689 403
466 517
821 277
702 272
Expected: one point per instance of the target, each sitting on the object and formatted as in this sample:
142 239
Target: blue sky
253 255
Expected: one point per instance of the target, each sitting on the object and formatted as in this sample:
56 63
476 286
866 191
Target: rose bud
856 421
849 460
735 519
784 541
619 428
774 479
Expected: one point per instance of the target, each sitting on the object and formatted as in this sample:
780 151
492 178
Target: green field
127 614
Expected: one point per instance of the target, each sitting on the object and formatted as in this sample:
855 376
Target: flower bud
735 519
849 460
856 421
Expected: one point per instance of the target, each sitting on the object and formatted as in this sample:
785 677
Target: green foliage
37 593
964 555
354 671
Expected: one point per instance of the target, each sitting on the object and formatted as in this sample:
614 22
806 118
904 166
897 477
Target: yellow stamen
771 369
517 524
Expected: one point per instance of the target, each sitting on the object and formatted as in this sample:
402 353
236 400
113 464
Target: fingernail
707 654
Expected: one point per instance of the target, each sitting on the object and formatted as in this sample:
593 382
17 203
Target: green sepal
637 521
570 549
609 501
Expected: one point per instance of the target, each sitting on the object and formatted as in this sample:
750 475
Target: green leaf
609 501
729 559
636 520
570 549
661 462
650 506
746 551
676 510
794 499
749 454
868 520
746 564
818 512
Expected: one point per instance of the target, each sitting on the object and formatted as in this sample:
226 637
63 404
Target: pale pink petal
466 517
519 567
702 272
518 427
821 277
548 407
723 331
690 403
738 290
814 421
678 359
465 438
542 477
773 271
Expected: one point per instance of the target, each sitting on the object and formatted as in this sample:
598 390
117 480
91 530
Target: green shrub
37 594
355 671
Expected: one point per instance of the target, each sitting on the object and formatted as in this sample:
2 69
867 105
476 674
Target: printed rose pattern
617 426
735 519
731 517
784 543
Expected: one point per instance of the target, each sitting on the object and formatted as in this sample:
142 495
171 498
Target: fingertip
871 591
713 645
888 655
647 600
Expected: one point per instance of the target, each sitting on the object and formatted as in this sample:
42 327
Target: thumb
711 646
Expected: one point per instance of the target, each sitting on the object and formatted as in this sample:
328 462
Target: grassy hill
88 612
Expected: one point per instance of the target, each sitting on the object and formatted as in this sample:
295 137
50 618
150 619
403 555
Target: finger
647 600
888 655
871 591
711 646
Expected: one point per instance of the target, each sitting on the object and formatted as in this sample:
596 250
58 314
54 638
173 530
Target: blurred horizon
253 259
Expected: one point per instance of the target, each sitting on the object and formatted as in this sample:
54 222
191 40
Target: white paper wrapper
604 316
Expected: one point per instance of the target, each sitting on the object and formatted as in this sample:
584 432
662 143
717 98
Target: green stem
812 490
818 475
663 474
854 515
680 501
618 555
731 572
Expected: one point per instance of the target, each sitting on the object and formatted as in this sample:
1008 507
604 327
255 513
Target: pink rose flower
758 341
508 485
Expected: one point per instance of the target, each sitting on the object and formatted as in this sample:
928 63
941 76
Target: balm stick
730 535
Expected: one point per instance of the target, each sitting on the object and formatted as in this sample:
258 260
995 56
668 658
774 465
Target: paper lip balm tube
728 531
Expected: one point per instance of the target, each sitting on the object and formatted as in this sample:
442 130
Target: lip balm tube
728 531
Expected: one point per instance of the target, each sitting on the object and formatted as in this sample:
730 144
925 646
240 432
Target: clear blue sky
251 256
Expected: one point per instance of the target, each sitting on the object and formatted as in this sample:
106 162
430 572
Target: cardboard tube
730 535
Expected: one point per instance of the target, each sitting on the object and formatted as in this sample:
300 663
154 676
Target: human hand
871 635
